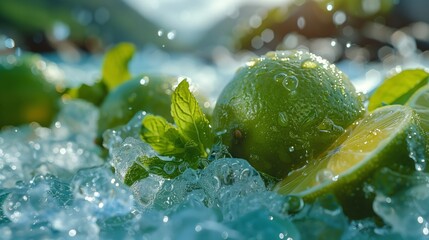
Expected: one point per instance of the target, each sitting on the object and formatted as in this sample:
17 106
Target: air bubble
324 175
169 168
288 82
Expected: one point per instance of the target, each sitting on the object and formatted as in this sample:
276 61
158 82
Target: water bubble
371 6
251 63
324 175
257 42
309 64
169 168
144 81
160 32
300 22
339 17
255 21
293 204
283 119
290 83
416 147
60 31
9 43
328 126
171 35
330 6
267 35
291 149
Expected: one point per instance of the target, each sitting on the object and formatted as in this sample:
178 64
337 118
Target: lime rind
419 101
402 119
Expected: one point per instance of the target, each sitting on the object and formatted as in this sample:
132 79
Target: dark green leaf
135 173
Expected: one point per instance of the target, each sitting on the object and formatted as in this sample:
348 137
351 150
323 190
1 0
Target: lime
147 92
419 101
382 138
283 108
28 90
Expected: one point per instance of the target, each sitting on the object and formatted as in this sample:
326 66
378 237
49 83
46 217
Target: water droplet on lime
308 64
283 119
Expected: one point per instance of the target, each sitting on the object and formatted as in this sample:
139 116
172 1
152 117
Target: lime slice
346 168
419 101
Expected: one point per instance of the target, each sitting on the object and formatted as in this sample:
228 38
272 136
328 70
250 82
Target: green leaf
190 119
151 164
135 173
162 136
398 88
115 65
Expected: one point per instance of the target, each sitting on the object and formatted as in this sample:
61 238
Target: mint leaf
115 65
398 88
190 119
162 136
135 173
185 144
151 164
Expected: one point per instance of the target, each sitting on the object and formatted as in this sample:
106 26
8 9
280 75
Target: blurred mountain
45 25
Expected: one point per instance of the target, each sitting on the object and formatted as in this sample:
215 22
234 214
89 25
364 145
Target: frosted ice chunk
60 150
367 229
101 193
228 178
37 201
176 191
324 217
405 205
262 224
146 190
76 121
114 137
123 155
193 224
16 155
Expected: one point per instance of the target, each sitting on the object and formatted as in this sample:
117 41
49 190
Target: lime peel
388 146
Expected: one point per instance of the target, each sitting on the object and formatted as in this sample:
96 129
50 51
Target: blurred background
366 38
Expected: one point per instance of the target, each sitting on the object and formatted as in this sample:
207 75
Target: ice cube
36 201
228 178
146 190
193 224
367 229
406 209
16 155
122 156
176 191
324 217
76 121
101 193
115 137
262 224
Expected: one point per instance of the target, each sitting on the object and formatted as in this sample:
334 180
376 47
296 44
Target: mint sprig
184 144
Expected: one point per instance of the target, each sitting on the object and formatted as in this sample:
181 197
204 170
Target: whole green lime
147 92
29 90
283 108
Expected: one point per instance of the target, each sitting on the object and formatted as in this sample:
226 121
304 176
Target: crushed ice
54 179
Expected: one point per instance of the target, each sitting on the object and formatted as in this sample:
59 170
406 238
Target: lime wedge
419 101
379 139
